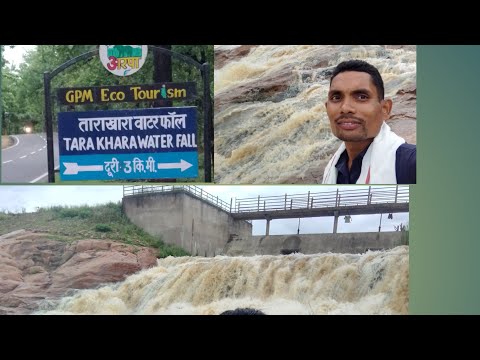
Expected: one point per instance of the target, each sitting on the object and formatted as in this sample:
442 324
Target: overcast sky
15 56
29 197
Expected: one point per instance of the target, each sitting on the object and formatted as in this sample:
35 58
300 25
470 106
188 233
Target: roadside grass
72 223
6 141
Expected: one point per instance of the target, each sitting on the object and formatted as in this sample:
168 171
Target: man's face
353 107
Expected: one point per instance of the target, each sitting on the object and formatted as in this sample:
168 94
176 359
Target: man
371 152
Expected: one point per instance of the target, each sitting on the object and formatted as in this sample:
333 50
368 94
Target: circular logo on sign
123 60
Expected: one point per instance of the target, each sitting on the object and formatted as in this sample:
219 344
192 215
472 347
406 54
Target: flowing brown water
371 283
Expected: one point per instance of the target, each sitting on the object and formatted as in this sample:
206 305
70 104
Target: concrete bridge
203 224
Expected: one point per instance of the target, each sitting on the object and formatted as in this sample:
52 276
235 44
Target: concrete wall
314 243
184 220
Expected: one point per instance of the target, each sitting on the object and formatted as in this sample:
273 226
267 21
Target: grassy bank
6 141
83 222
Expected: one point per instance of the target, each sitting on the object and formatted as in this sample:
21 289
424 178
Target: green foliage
11 119
83 212
102 228
169 250
165 250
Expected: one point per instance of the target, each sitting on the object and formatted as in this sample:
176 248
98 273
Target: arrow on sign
183 165
74 168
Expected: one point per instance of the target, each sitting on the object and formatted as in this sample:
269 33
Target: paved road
26 160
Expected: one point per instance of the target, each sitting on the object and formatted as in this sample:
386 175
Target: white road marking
17 142
7 161
42 176
23 157
33 152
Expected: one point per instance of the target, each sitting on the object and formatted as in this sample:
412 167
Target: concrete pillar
268 227
335 222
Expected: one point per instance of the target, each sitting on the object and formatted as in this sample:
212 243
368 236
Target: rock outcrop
34 268
403 118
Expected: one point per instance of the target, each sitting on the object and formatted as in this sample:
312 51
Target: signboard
132 93
123 60
128 144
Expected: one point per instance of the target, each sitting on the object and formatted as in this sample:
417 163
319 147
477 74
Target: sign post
128 144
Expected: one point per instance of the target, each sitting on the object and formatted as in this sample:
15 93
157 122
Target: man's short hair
361 66
243 311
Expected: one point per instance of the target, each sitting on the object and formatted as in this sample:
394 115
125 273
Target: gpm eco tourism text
129 93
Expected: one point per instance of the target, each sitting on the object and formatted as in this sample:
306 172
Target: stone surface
34 268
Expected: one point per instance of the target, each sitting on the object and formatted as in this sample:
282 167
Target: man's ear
386 108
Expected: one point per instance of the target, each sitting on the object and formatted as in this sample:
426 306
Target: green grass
68 224
103 228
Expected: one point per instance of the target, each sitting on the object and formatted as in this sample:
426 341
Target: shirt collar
343 160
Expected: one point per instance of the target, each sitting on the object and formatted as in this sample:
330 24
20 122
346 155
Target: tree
28 91
8 102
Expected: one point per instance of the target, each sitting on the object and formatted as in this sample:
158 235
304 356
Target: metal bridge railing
367 196
311 200
129 190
